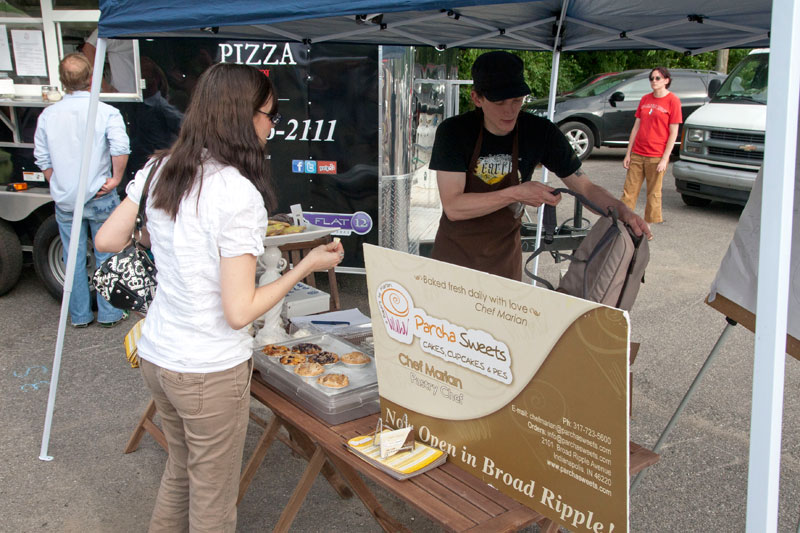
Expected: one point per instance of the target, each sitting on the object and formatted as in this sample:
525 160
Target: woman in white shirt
206 219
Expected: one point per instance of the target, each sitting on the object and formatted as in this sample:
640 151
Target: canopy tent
553 25
588 25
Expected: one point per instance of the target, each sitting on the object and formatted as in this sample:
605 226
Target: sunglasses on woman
275 118
656 78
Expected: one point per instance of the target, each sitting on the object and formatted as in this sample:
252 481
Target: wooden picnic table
449 496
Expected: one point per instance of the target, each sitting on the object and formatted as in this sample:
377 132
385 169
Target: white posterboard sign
29 52
5 52
737 277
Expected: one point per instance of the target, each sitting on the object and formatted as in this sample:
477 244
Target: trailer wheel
48 258
10 257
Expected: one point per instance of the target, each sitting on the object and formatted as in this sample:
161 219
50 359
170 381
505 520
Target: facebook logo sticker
297 166
311 167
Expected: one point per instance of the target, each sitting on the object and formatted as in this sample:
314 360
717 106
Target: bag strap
549 224
141 215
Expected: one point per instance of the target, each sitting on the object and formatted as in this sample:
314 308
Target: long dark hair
219 119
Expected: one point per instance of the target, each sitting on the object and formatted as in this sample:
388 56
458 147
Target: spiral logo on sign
395 303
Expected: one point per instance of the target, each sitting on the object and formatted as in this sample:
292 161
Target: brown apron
489 243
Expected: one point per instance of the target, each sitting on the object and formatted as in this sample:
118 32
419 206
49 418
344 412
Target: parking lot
699 485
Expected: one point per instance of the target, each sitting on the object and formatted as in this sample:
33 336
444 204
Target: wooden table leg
383 518
306 449
300 492
255 460
548 526
334 288
146 425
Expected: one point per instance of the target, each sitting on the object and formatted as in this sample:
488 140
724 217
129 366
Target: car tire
48 253
10 257
695 201
580 137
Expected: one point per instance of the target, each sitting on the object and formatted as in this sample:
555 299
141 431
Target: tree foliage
577 66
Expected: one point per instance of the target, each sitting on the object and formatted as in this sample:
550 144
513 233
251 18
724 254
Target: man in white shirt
120 59
58 145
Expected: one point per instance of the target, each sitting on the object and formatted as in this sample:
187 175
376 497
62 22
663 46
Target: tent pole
774 268
551 107
99 60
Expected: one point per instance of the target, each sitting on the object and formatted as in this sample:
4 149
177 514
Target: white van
722 146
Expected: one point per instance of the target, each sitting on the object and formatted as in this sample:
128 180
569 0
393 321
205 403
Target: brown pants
644 169
204 418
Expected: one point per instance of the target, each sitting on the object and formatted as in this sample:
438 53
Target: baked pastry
275 227
309 369
324 358
293 359
293 229
334 381
275 350
281 217
354 358
306 348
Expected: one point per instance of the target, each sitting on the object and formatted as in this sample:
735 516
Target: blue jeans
95 212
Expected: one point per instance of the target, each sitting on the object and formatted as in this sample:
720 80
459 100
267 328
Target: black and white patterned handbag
127 280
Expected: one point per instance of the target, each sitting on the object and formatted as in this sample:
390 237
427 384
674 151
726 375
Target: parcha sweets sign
523 387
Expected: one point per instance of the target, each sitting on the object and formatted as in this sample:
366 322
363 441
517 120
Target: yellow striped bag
130 343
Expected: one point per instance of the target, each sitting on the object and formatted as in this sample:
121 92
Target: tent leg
711 356
77 216
551 106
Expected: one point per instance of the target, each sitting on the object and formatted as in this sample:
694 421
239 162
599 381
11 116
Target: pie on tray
334 381
275 349
323 358
306 348
293 359
309 369
354 358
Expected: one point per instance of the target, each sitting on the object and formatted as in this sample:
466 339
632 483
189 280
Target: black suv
602 113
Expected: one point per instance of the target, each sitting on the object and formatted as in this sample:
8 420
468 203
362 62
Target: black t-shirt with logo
540 141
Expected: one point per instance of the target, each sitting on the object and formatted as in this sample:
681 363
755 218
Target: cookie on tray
334 381
275 350
354 358
293 359
309 369
306 348
324 358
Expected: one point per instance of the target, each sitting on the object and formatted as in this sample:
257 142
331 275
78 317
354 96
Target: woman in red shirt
650 144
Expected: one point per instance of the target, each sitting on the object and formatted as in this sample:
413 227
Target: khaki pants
644 169
204 418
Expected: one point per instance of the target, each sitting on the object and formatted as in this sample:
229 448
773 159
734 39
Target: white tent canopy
685 26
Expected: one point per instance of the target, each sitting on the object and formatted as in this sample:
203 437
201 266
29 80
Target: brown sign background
556 437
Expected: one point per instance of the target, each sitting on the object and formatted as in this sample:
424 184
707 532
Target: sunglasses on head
656 78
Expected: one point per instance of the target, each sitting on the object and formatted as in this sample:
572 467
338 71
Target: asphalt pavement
700 484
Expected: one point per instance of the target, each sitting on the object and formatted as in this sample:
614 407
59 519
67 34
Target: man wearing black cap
484 161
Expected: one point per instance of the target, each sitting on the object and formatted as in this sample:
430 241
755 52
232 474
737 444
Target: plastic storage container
334 406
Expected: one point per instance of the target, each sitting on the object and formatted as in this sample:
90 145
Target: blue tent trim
132 17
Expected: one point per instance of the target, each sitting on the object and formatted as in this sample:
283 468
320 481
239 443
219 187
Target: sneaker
114 323
82 326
